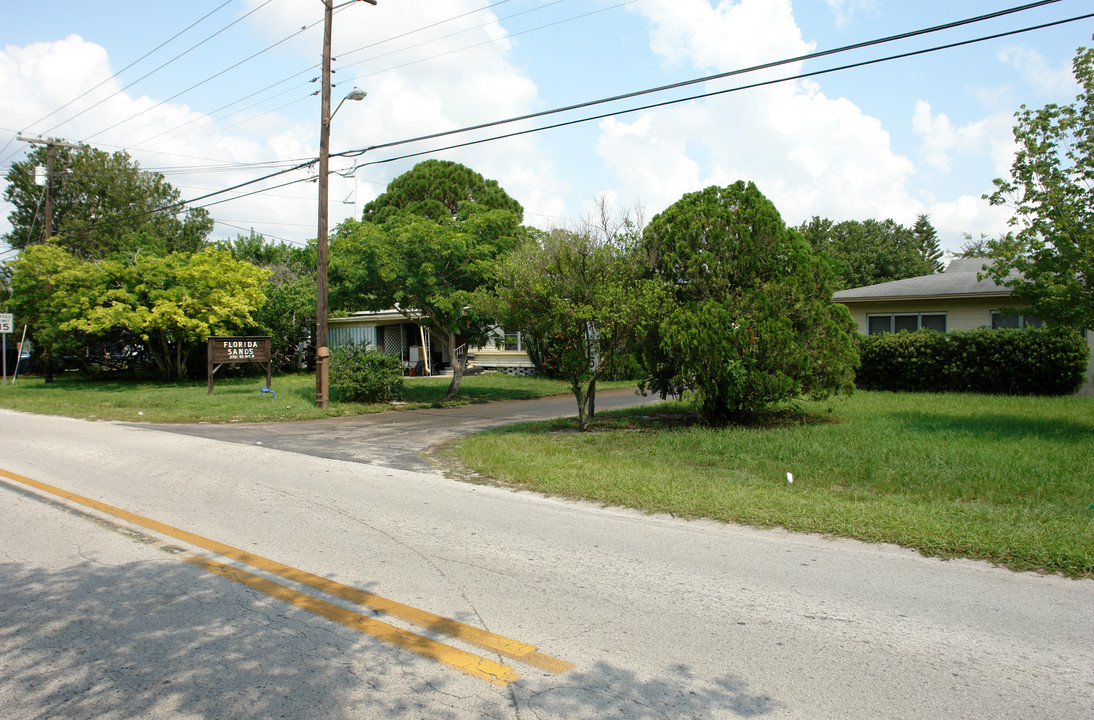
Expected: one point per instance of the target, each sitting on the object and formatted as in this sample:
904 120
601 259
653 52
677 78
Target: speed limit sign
6 322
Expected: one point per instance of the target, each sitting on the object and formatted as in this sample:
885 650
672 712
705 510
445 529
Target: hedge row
1048 361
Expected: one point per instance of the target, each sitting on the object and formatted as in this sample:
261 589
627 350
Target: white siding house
402 337
952 300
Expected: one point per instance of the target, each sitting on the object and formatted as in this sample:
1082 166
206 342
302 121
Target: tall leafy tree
429 245
751 320
436 270
288 312
580 299
1050 260
926 242
102 204
439 190
866 253
43 280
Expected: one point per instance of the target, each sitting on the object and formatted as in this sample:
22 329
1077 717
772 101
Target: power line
142 57
142 77
490 41
355 153
118 73
718 76
701 96
208 79
433 25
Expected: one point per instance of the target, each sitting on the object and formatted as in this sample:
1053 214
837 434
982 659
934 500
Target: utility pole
47 204
322 352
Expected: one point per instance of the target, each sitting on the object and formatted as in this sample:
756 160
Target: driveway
397 439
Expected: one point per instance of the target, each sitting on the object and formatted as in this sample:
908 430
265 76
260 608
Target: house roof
957 281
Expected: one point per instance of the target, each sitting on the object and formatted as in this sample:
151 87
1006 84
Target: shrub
1048 361
364 374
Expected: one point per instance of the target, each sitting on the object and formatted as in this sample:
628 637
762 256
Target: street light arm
354 94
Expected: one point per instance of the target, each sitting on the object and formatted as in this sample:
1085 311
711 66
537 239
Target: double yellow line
474 665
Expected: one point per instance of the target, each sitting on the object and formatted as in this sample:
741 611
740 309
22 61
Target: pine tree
927 242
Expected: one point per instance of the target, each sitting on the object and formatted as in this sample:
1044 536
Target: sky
216 93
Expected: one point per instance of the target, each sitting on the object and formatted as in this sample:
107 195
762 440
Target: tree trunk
457 368
582 406
47 359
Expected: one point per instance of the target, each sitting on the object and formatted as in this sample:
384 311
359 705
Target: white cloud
810 154
1035 70
967 214
844 10
725 36
404 100
941 139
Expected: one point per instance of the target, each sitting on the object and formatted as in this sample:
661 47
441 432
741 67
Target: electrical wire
208 79
142 77
864 63
701 96
487 42
117 75
720 76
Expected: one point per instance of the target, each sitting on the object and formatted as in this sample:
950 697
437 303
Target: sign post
6 324
239 349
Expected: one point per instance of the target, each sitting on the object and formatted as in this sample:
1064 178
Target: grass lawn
1005 479
239 400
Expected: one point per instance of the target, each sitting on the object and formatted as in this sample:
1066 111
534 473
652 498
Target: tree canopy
166 304
102 204
751 320
580 299
869 252
439 190
926 242
435 270
1049 261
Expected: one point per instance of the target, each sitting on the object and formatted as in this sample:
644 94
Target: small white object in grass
140 412
259 442
790 477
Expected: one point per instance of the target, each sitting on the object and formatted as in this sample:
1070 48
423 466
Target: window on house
512 340
909 322
999 320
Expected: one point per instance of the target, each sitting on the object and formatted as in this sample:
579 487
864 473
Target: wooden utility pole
47 204
322 352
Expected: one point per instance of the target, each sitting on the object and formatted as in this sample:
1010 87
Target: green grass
239 400
1005 479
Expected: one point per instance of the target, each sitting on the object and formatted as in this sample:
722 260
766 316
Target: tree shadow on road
146 639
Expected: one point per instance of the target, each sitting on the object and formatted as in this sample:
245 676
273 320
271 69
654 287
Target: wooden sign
239 349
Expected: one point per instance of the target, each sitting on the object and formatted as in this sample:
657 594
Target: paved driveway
397 439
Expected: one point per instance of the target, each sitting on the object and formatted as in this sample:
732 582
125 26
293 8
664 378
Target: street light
322 352
354 94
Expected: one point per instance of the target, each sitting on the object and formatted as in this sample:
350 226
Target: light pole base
322 378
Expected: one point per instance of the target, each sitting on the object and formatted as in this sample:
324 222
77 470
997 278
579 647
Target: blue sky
923 134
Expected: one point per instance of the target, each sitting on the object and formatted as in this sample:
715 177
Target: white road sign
6 321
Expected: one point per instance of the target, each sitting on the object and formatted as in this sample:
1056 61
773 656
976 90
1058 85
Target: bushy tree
751 320
103 204
168 304
440 190
435 271
866 253
364 374
1050 261
580 299
429 246
288 312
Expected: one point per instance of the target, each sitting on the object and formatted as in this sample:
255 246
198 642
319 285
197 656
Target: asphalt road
397 439
631 616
